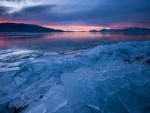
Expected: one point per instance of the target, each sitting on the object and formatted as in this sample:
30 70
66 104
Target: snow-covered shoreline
110 78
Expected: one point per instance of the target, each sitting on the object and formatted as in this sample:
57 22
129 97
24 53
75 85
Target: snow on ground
106 79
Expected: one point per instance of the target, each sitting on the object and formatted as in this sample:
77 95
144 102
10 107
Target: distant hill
13 27
127 30
94 31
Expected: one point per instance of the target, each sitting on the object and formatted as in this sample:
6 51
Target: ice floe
106 79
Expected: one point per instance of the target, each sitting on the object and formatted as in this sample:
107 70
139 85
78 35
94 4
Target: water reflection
64 41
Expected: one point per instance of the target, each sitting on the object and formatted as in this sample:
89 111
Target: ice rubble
13 55
105 79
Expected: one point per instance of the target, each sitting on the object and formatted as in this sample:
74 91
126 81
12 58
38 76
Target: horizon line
60 27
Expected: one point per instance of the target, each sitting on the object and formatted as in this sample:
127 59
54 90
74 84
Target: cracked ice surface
105 79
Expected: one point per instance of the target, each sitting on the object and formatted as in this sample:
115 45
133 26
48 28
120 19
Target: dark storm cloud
3 11
111 11
104 12
33 12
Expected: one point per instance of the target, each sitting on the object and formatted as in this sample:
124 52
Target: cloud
112 11
4 11
82 12
34 12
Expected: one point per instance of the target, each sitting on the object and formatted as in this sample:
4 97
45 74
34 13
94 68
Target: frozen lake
64 42
74 72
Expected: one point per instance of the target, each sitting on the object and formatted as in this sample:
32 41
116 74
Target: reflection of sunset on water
57 39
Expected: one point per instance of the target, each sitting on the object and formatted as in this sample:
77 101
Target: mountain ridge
22 27
128 30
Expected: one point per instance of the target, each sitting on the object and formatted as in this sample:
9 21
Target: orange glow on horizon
54 26
16 21
74 28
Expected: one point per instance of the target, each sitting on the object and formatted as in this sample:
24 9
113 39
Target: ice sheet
105 79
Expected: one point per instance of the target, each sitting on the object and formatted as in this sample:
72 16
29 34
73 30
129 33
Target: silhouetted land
20 27
127 30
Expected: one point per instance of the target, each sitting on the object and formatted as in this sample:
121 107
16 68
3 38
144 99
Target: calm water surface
64 42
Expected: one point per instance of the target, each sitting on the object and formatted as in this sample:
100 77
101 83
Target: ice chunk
6 51
14 64
6 84
33 93
19 80
9 69
128 101
50 53
3 99
52 102
26 73
47 83
65 109
83 93
17 103
38 109
111 107
14 93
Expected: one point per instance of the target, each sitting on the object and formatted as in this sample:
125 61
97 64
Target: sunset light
74 56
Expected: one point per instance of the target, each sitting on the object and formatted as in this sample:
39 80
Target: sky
77 15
